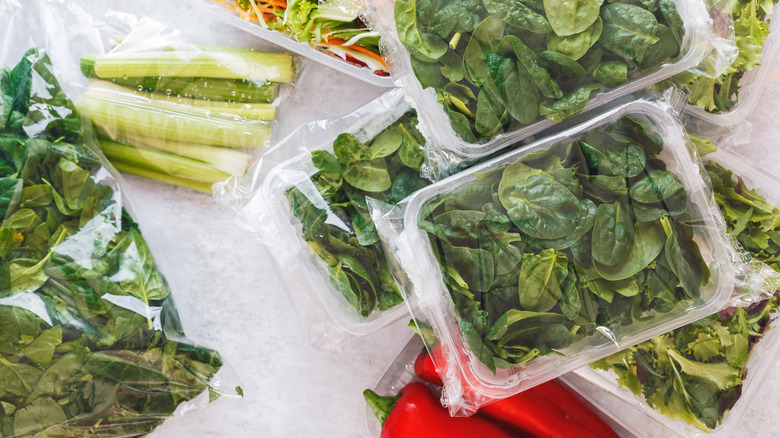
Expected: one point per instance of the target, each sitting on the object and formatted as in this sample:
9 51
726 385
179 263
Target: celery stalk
229 90
226 64
232 161
204 108
162 162
163 178
119 120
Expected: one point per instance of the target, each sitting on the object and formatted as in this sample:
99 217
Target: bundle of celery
184 117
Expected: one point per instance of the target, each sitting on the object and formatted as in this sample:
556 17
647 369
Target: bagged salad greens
750 22
90 340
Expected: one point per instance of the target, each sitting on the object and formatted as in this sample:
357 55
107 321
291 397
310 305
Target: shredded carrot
336 41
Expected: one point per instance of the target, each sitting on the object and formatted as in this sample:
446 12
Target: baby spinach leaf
655 186
577 45
537 204
412 33
649 240
613 234
369 176
611 73
540 278
516 13
572 17
570 105
483 42
629 31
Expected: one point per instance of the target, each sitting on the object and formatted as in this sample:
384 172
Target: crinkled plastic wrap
306 201
484 82
184 105
518 291
728 97
91 343
345 45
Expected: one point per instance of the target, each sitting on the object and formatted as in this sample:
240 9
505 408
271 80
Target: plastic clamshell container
299 267
432 306
633 413
288 42
751 84
435 124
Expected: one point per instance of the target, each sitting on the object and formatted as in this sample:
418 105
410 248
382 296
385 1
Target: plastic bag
183 105
305 200
91 341
462 284
469 111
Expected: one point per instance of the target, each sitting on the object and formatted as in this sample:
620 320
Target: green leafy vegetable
695 373
559 231
90 342
524 60
336 221
751 28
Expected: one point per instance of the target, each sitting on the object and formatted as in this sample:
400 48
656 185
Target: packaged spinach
307 202
699 380
484 75
90 340
560 253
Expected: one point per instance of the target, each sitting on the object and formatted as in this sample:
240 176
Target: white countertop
231 299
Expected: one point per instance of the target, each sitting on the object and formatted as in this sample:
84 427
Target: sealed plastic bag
90 342
552 256
505 72
175 104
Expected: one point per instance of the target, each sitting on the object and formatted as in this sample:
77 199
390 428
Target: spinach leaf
413 34
629 31
572 17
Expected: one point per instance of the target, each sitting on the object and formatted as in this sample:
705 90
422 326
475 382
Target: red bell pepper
416 412
546 410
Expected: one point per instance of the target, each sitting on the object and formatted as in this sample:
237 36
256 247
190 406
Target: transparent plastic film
307 201
170 104
747 199
331 33
723 51
508 72
516 293
727 85
92 344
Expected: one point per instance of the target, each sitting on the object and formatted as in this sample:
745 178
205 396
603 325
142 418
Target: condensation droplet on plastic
168 91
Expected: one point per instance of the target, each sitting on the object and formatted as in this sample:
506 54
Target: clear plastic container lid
502 261
317 54
692 18
750 85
